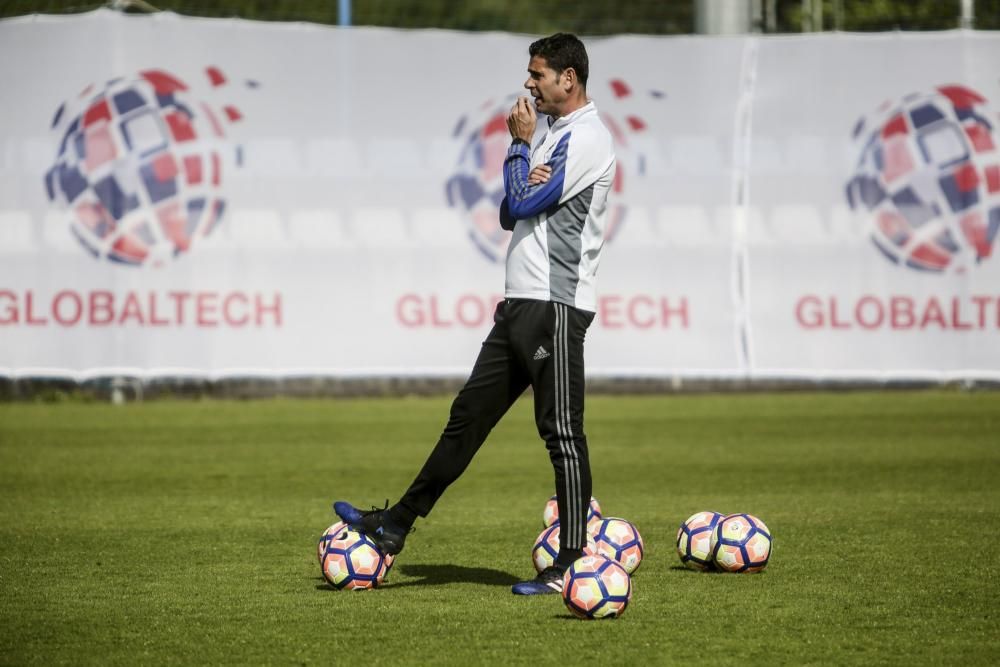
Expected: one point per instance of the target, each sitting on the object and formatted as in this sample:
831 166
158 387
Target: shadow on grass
681 568
439 575
566 617
442 575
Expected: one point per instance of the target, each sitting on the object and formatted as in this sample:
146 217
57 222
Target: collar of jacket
556 123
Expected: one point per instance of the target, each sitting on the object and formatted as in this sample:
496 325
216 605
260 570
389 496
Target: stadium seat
797 224
637 230
16 232
35 154
319 228
725 221
698 154
333 157
439 227
393 156
654 160
272 157
256 228
686 225
56 234
379 227
760 230
846 225
804 153
442 154
765 156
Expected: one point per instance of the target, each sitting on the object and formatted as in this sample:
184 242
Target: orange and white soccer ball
550 515
353 562
546 548
328 534
741 543
620 541
694 540
596 587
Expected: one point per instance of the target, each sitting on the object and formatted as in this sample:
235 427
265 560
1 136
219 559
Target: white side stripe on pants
564 430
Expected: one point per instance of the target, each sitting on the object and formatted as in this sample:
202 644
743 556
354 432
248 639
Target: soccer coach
556 206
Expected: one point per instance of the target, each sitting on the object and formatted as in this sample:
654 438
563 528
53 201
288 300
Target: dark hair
563 50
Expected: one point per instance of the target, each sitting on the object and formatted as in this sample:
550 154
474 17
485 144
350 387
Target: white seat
16 232
798 224
724 218
638 230
333 157
847 225
256 228
443 153
56 233
379 227
272 157
651 149
805 153
393 156
695 154
438 227
36 154
319 228
765 154
686 225
759 231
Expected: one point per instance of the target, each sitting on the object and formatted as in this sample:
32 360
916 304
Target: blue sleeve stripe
523 200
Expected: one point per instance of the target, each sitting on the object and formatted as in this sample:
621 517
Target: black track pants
536 343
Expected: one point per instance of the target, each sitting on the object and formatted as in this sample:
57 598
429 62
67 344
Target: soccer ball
741 543
596 587
352 561
694 540
550 515
546 548
619 540
328 534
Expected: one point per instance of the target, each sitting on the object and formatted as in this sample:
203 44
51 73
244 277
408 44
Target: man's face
547 87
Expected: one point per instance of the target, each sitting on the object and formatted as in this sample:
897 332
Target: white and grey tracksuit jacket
559 225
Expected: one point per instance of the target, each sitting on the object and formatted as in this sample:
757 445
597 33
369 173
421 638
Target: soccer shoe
375 523
549 580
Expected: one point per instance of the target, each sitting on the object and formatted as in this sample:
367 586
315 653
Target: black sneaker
376 524
549 580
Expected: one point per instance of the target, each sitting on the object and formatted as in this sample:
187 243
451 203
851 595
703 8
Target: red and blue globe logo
476 187
928 177
140 166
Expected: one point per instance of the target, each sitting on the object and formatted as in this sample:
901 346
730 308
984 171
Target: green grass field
184 532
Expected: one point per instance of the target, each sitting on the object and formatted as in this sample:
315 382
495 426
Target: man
556 205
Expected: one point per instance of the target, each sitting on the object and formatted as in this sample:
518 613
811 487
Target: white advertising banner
874 206
218 197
